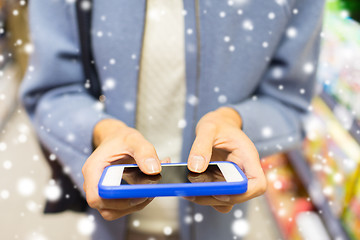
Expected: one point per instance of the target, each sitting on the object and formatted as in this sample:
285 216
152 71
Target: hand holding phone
127 181
117 143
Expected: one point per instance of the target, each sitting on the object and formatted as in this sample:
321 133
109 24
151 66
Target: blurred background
313 193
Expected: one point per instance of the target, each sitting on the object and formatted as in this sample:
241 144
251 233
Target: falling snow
86 225
167 231
240 227
248 25
26 186
198 217
291 32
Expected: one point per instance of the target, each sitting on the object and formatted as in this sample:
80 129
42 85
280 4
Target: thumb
201 149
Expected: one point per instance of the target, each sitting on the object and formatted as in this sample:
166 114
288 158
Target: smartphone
127 181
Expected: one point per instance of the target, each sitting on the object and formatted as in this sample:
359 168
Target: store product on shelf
333 155
339 67
351 215
287 197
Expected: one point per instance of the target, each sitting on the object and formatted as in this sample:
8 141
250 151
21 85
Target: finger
223 209
111 214
201 149
144 153
207 201
119 204
166 160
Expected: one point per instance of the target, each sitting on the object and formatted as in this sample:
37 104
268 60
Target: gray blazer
258 57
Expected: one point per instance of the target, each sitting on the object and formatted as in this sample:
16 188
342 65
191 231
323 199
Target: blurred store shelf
315 191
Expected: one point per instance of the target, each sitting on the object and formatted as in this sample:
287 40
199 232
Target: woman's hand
219 138
117 143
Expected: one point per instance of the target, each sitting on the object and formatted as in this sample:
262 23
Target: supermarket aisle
24 175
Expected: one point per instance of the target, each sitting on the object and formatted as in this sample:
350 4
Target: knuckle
262 186
108 215
93 202
132 135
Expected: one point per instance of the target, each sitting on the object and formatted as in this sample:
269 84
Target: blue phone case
173 189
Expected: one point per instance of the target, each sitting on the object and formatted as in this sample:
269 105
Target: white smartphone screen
172 174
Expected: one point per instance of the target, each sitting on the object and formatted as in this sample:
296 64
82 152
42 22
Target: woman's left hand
219 138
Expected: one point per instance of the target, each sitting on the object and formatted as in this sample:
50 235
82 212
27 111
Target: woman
195 81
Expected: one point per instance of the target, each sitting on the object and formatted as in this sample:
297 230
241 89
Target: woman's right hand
116 143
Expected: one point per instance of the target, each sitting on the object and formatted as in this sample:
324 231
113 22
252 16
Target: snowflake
86 225
136 223
52 157
198 217
7 164
240 12
238 213
103 18
167 231
32 206
328 190
22 3
278 185
277 73
240 2
271 15
266 132
22 138
291 32
280 2
189 31
344 14
181 123
240 227
308 68
85 5
1 58
70 137
3 146
5 194
129 106
15 12
110 84
295 11
281 87
216 89
26 186
99 106
99 34
226 39
112 61
248 25
231 48
193 100
265 44
31 68
52 191
222 99
188 219
222 14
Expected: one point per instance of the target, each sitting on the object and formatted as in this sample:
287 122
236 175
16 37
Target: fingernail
197 163
223 198
152 165
137 201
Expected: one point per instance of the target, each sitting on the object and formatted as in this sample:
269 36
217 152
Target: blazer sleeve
273 117
53 91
